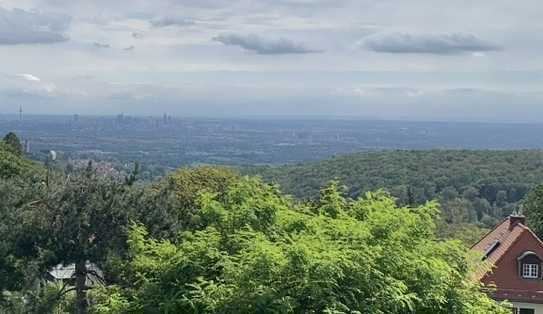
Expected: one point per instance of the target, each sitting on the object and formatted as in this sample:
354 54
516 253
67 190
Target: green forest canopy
472 186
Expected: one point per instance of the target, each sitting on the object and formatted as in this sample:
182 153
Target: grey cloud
129 48
24 27
137 35
428 43
207 4
100 45
171 21
264 46
305 5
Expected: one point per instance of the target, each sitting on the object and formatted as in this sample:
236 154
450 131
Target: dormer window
530 271
529 265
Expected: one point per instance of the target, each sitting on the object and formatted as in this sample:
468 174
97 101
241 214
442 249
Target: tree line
472 186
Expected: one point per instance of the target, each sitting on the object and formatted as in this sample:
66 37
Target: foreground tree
256 251
82 218
532 208
75 220
13 165
13 143
12 276
19 179
189 183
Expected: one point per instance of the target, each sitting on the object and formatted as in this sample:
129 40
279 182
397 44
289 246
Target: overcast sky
387 59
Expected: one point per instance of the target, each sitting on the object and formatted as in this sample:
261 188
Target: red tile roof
501 248
505 235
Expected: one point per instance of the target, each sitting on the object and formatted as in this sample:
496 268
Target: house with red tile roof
515 256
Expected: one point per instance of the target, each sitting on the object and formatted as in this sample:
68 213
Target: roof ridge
532 232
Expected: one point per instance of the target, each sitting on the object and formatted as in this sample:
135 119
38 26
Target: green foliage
532 208
259 252
172 204
50 297
158 208
206 240
472 186
13 269
13 144
44 297
331 201
13 165
189 183
133 176
108 300
82 217
73 219
468 233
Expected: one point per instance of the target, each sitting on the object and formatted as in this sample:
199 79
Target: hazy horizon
14 117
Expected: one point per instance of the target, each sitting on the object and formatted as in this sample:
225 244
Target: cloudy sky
386 59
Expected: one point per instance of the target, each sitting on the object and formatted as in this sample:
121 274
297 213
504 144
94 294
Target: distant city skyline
424 60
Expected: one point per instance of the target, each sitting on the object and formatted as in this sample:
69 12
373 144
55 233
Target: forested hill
471 185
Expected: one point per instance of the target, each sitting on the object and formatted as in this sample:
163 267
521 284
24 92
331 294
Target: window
526 311
530 271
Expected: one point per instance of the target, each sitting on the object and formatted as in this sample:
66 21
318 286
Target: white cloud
26 84
29 77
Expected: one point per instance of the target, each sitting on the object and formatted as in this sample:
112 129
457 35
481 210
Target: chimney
515 219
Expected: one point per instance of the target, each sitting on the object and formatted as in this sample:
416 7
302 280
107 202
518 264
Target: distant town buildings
102 168
27 146
120 118
166 119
